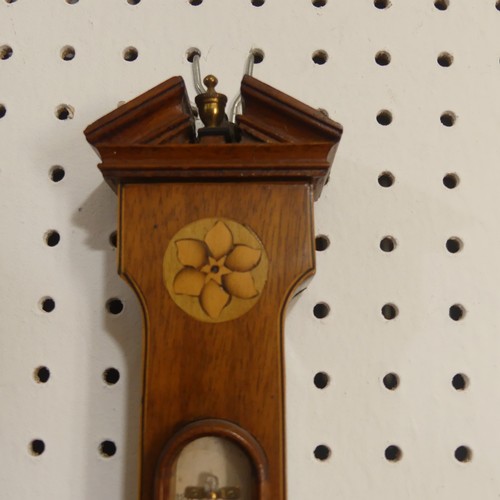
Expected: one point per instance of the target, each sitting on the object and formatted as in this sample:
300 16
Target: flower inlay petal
240 285
192 253
243 258
219 240
213 299
189 282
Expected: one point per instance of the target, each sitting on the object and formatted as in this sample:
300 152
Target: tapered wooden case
214 238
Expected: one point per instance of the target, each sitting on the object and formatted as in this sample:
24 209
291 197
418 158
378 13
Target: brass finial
211 105
210 82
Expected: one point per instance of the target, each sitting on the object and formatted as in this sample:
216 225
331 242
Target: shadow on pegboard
119 311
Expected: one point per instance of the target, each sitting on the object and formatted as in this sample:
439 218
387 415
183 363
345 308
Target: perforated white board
355 415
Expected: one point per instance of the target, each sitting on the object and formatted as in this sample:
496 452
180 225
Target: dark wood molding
218 163
160 116
152 138
270 115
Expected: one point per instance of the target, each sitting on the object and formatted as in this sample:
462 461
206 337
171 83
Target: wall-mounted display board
391 353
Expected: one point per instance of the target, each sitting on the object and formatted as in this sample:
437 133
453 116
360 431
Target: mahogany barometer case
215 235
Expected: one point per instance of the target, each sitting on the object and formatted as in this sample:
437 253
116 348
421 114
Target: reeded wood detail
214 238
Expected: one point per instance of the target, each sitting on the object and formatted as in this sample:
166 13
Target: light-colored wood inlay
215 269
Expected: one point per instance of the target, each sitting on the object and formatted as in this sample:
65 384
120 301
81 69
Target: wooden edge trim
142 300
227 163
170 160
262 131
164 132
226 153
214 428
173 88
263 94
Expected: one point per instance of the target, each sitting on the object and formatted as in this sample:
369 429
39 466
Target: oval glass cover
213 467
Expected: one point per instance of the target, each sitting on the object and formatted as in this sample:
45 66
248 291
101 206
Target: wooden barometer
215 235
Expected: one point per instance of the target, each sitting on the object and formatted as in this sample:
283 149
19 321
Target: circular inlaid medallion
215 269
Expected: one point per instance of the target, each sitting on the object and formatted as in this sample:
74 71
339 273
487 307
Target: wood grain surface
231 370
223 377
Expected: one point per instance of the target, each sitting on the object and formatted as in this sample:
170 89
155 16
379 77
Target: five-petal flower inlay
216 269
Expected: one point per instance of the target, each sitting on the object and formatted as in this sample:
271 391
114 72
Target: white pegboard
355 416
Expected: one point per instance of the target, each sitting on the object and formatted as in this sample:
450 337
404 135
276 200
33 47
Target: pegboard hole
445 59
65 112
72 2
6 52
451 181
387 244
497 5
391 381
320 57
47 304
114 306
460 382
68 53
386 179
130 54
258 56
319 3
322 452
321 242
113 239
193 51
442 4
321 380
42 374
111 376
457 312
37 447
195 3
393 453
52 238
321 310
3 110
57 173
10 1
133 2
454 244
258 3
448 118
383 58
107 449
389 311
382 4
463 454
384 117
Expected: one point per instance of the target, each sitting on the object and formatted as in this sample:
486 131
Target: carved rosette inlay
215 269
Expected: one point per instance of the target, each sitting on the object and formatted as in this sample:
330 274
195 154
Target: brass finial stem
211 105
